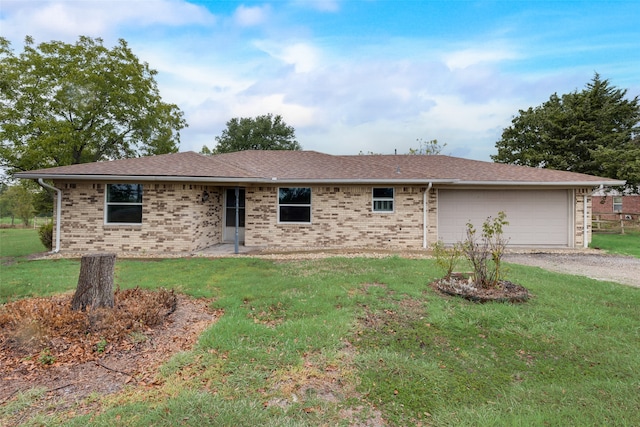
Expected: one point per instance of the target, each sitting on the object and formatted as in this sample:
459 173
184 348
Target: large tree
63 104
266 132
594 131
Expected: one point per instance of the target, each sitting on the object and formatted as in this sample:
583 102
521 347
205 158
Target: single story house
615 205
186 202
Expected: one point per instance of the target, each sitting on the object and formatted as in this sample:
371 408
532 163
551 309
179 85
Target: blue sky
356 75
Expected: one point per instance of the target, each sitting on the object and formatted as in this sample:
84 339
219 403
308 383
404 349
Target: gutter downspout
58 211
236 239
425 216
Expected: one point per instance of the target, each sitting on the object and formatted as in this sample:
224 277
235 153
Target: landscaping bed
461 285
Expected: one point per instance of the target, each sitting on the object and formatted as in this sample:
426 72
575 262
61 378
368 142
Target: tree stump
95 283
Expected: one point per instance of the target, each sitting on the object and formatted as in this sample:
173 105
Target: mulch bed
461 285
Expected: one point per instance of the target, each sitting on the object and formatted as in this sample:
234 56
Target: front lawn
338 341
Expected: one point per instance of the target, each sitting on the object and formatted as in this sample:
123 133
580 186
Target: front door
230 215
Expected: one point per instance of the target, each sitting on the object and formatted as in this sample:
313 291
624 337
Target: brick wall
579 216
174 219
177 219
603 206
340 217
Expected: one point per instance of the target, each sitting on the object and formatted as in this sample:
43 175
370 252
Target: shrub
485 253
46 235
447 257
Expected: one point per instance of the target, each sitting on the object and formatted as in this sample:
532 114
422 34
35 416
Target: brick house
185 202
612 206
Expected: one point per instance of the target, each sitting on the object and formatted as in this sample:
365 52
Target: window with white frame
123 204
294 204
617 204
383 199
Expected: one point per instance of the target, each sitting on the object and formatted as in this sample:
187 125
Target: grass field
569 356
625 244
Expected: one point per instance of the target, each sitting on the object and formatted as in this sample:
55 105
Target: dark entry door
230 215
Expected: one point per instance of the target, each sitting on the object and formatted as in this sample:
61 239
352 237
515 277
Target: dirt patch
71 368
318 381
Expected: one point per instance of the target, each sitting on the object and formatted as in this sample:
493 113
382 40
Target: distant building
614 204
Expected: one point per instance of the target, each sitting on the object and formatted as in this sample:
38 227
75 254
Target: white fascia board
132 178
274 180
225 180
545 184
363 181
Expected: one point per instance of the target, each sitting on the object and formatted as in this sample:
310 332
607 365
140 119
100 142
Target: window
124 204
294 204
617 204
383 199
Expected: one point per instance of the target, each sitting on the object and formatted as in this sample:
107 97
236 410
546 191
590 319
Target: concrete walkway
226 249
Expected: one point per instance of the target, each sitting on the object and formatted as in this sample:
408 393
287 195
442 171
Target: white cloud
57 19
303 56
251 16
473 56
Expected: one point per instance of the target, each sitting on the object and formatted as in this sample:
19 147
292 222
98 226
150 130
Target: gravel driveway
613 268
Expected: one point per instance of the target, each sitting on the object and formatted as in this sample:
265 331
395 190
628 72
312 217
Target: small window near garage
294 205
124 204
383 199
617 204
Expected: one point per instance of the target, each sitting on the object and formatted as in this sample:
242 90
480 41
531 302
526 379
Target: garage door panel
536 217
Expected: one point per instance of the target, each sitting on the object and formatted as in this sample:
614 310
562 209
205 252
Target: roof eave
361 181
207 179
607 183
130 178
262 180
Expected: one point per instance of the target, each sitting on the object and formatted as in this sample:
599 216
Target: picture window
123 204
294 205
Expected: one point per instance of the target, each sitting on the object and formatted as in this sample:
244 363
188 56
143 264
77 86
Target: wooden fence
617 223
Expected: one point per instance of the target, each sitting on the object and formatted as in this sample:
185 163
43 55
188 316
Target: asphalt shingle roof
260 166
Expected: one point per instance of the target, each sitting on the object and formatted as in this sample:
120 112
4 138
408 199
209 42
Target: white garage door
536 217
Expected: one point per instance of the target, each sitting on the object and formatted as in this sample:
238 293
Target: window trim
296 205
617 204
375 199
107 203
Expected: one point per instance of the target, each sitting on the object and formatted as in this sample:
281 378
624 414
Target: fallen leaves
40 333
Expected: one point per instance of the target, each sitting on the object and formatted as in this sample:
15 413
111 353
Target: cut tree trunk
95 283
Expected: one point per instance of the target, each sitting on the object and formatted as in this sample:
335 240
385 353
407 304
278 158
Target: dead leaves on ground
38 333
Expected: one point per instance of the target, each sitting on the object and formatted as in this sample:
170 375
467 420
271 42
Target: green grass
19 242
376 336
625 244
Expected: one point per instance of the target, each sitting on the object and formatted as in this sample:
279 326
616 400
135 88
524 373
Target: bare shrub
447 257
485 253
